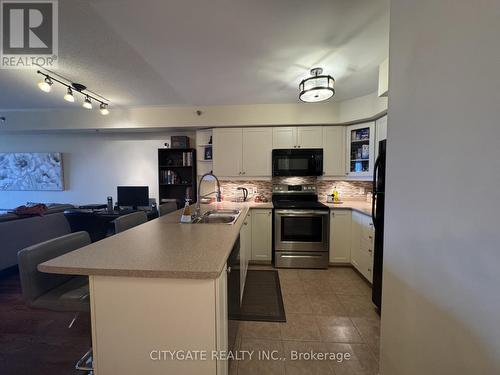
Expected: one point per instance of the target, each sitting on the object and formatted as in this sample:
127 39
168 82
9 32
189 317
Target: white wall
330 112
94 164
363 107
441 300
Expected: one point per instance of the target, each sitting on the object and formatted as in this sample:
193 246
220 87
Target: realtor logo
29 34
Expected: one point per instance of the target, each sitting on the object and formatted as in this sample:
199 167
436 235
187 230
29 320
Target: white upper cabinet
227 156
242 152
334 150
360 149
298 137
285 137
309 137
257 151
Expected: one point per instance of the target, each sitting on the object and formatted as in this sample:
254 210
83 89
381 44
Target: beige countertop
161 248
165 248
361 206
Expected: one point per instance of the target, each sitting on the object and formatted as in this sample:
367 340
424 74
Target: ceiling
218 52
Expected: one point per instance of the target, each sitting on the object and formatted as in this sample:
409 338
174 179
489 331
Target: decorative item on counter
260 199
186 213
334 197
369 197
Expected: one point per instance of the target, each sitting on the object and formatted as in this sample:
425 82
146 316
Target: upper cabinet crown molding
298 137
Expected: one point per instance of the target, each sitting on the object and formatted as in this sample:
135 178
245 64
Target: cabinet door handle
228 270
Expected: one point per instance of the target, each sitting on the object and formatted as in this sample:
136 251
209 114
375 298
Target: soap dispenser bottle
186 213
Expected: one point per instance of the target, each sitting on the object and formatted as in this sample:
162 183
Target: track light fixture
87 103
46 84
69 96
72 87
104 109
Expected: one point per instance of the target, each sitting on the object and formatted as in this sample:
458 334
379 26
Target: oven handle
300 256
301 212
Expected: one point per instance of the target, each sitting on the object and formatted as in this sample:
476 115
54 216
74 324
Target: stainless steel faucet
197 210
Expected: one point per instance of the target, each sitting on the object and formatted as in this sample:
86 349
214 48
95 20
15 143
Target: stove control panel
296 189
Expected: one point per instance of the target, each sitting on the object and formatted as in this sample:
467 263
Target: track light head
87 103
69 96
104 109
45 85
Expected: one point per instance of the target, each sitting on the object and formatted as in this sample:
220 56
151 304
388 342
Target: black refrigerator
378 204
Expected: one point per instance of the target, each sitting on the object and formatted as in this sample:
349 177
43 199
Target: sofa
17 232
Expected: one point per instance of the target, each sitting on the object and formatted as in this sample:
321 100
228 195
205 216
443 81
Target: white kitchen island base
137 323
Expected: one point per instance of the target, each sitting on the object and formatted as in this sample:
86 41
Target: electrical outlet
361 190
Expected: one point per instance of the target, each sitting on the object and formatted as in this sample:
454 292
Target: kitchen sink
218 217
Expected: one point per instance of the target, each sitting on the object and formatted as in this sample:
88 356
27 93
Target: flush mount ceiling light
316 88
73 87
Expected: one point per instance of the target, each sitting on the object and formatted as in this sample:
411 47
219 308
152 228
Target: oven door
301 230
291 162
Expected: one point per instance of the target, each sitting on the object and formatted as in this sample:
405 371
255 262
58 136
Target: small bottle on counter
186 213
336 197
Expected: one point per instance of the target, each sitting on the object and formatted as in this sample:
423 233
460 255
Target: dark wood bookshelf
177 174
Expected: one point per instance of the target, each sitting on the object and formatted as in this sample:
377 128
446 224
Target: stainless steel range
301 227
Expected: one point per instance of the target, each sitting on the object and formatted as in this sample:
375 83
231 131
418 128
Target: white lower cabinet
221 321
262 234
362 241
340 236
245 250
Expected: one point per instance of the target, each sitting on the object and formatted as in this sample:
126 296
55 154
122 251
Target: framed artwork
31 171
208 153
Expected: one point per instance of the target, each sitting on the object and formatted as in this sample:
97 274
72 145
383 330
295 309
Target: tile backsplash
347 189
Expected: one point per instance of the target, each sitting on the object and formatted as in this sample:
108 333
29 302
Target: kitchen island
155 289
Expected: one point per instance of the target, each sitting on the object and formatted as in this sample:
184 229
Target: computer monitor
133 196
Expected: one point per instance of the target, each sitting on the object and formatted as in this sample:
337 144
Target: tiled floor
328 311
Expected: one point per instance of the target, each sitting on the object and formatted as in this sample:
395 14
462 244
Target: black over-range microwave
298 162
